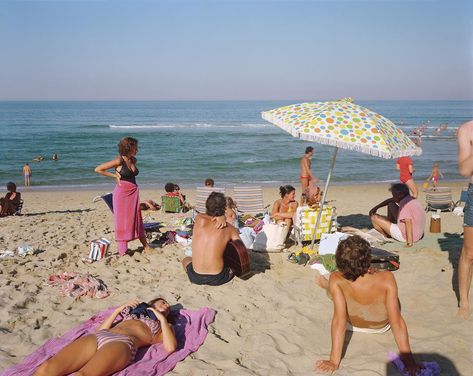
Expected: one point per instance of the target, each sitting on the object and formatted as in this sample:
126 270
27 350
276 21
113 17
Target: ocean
188 141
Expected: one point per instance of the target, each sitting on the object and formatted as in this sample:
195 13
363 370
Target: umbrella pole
317 222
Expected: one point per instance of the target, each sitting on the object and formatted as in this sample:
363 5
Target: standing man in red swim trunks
406 169
306 173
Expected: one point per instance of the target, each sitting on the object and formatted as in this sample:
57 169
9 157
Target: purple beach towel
190 328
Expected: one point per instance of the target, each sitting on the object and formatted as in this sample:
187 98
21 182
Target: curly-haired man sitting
364 301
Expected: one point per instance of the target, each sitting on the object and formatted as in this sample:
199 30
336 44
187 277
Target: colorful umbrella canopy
345 125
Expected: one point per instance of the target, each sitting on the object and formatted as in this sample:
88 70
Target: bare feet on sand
149 250
463 312
321 281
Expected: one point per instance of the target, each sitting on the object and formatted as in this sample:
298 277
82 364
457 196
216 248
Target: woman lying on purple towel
114 346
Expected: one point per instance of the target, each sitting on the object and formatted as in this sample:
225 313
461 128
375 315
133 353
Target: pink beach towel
127 213
190 328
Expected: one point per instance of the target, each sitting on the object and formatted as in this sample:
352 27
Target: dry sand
275 323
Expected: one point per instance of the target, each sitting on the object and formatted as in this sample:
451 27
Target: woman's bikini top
126 174
153 325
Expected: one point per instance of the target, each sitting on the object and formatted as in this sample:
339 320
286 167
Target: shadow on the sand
259 262
59 212
452 243
359 221
447 368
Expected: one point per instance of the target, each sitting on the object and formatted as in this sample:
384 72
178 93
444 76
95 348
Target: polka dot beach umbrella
345 125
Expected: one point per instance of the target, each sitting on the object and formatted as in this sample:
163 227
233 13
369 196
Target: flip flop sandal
303 258
292 258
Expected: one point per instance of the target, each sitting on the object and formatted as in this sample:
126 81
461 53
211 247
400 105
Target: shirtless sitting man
206 267
364 301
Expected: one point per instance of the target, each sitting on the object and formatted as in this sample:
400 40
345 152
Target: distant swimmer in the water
39 158
55 157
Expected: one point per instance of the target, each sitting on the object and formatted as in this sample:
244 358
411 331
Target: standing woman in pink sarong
126 200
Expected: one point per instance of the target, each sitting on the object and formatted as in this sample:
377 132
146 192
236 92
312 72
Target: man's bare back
209 243
365 298
465 151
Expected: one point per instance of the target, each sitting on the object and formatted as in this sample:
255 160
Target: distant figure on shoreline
465 264
306 173
27 174
126 198
209 182
364 301
207 266
406 170
55 157
405 221
435 174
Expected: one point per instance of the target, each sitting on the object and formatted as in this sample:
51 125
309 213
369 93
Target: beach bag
98 249
272 238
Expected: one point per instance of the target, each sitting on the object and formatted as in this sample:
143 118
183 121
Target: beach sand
275 323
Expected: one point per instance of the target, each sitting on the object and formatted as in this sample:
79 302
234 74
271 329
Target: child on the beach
406 169
435 175
230 212
364 301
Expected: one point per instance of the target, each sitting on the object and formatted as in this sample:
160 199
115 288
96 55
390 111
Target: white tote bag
272 238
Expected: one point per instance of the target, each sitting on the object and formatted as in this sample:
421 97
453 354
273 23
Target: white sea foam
187 126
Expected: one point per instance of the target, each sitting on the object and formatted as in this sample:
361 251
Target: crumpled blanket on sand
190 328
371 236
75 285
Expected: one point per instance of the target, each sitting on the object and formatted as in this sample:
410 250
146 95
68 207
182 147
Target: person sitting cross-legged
405 221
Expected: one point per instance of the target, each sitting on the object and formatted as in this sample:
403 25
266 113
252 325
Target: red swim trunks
404 174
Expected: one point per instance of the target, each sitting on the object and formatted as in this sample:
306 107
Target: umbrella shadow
447 367
452 243
359 221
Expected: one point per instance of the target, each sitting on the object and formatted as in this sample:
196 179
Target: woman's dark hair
308 149
126 146
284 190
353 257
216 204
151 302
11 187
169 187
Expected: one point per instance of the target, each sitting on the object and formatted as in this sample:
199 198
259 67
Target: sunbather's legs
381 224
412 187
71 358
186 261
110 358
465 269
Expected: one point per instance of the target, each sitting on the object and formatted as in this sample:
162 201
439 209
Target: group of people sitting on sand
364 299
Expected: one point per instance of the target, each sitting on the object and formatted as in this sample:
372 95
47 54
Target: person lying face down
364 300
206 267
114 346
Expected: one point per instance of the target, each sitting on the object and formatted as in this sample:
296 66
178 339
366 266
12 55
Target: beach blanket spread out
190 328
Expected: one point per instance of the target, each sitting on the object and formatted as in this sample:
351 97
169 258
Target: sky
236 50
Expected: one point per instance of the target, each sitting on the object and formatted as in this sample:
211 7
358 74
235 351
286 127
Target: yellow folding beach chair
305 219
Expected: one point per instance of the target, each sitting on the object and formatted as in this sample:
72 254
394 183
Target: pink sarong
127 215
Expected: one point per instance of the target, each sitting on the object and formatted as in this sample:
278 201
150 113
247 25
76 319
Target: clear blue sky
222 49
